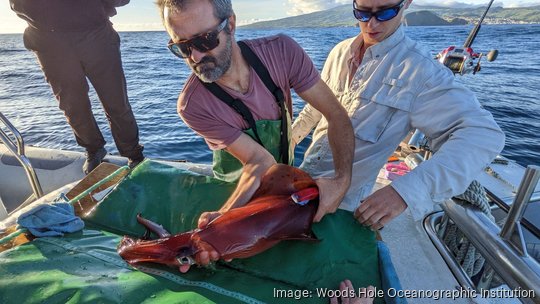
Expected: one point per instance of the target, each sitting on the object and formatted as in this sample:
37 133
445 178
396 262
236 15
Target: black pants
68 59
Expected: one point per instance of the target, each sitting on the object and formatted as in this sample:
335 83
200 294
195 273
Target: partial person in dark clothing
75 41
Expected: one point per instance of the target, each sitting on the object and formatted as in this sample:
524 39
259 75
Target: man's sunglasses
202 43
381 15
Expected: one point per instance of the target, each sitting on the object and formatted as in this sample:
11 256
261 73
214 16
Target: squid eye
184 256
185 260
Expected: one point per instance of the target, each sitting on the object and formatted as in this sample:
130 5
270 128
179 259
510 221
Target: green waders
227 168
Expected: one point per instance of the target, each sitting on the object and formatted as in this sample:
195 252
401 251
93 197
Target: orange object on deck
393 159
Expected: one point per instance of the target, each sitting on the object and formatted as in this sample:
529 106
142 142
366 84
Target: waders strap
264 75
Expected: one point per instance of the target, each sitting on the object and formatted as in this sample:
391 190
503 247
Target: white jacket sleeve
464 136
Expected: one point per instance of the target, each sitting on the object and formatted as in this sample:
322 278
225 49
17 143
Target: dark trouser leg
103 65
65 75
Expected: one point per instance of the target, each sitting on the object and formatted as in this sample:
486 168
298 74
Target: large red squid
281 209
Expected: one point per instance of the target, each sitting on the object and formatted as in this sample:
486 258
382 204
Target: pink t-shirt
220 125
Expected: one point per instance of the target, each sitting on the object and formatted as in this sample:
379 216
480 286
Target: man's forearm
255 161
248 183
340 132
341 139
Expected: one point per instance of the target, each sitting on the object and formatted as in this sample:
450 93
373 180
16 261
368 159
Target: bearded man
239 100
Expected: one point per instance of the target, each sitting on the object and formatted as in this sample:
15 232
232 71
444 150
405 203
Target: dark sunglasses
202 43
381 15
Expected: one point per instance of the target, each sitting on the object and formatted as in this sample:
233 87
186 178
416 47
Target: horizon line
243 26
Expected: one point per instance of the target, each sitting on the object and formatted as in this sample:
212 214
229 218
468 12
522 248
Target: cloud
477 3
138 27
299 7
523 4
252 20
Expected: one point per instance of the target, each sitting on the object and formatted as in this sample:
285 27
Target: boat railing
504 249
16 147
512 232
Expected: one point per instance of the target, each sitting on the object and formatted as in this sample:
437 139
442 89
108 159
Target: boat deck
419 265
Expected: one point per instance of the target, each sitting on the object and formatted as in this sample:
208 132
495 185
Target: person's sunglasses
202 43
381 15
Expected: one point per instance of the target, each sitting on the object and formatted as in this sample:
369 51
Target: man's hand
207 217
205 256
207 253
380 208
331 193
349 296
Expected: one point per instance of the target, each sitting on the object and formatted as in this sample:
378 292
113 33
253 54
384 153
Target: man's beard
210 68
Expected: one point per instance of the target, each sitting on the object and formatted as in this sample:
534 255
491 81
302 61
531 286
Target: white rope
465 253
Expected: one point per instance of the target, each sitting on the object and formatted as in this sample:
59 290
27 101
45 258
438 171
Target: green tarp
85 268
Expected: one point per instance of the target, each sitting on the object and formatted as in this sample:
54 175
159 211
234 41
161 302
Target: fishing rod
460 61
464 60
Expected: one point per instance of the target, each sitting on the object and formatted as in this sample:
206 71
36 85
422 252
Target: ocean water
509 88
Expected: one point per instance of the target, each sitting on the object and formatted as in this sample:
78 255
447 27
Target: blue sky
142 14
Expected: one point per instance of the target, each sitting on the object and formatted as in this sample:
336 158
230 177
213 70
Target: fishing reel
464 60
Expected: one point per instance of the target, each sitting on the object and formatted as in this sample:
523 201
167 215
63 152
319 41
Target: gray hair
222 8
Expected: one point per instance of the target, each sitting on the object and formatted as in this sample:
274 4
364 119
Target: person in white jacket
389 87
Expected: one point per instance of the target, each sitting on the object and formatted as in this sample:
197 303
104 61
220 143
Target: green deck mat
85 268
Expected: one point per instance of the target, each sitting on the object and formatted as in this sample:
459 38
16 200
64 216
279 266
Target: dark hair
222 8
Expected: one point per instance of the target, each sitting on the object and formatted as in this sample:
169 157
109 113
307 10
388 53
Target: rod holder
512 231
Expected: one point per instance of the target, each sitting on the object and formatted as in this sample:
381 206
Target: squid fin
152 227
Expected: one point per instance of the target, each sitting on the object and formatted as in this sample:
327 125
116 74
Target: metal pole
516 270
18 151
511 230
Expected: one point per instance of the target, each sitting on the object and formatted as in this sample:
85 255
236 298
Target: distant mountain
334 17
422 15
423 18
496 15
